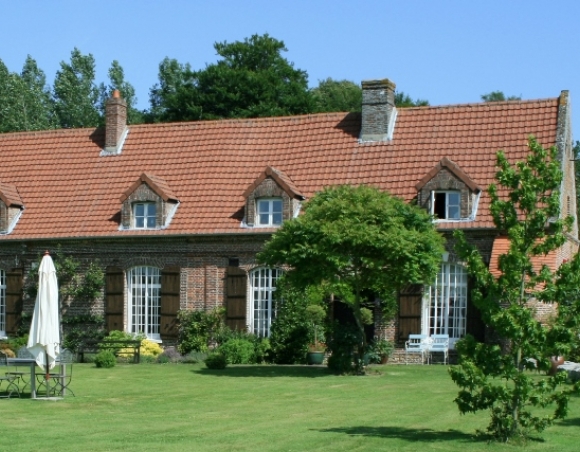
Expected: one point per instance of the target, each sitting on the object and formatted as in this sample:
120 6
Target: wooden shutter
114 298
170 296
474 323
236 285
14 284
410 301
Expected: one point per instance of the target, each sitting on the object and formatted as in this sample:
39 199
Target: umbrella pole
47 375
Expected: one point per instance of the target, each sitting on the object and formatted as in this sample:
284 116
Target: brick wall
268 189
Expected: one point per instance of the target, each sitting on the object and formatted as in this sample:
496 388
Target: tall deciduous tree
351 240
493 377
403 100
170 99
75 93
117 82
24 99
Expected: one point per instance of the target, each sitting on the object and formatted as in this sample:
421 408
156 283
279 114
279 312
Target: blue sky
445 51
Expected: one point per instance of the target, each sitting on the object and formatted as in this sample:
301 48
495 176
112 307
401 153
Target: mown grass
182 407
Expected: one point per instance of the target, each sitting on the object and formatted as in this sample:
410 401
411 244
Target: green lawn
183 407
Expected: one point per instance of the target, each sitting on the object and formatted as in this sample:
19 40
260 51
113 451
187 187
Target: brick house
175 213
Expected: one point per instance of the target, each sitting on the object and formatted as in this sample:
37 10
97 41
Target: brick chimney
378 110
116 123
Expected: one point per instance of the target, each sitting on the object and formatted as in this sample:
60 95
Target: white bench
417 344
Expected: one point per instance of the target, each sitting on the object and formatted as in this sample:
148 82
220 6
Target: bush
238 351
200 329
216 361
291 331
105 359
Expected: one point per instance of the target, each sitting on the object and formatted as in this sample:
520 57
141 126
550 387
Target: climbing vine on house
525 206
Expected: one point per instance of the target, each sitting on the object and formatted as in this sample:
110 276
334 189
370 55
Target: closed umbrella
44 338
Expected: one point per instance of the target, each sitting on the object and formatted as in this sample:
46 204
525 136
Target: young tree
355 239
493 377
75 93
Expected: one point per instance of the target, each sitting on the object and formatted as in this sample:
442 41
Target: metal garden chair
11 386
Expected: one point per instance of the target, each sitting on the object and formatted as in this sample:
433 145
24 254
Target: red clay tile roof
69 190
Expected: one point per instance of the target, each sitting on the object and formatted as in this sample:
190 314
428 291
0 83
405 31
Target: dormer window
269 212
448 193
270 200
148 204
446 205
144 215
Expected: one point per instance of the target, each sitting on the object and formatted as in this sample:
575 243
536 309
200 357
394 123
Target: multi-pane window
446 307
263 282
269 212
2 303
144 215
144 289
446 205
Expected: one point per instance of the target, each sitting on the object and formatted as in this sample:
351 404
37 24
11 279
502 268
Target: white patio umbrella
44 338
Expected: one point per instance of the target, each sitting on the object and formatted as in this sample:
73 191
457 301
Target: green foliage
351 240
252 79
378 349
493 377
117 82
25 99
105 359
337 95
216 360
200 329
244 348
403 100
75 93
498 96
290 332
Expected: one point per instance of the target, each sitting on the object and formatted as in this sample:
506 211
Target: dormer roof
155 183
10 196
453 168
280 178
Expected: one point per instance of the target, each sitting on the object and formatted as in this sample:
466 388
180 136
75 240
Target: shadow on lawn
266 371
408 434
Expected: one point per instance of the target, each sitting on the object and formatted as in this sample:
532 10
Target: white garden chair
417 344
440 344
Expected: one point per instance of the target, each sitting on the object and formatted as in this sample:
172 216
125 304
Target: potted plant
316 350
380 351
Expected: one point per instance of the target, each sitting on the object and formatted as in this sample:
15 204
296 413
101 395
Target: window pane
145 301
453 212
139 210
277 218
277 206
263 206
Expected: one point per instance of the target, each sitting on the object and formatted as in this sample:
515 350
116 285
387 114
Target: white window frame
2 303
269 212
144 302
262 306
447 204
445 303
147 217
